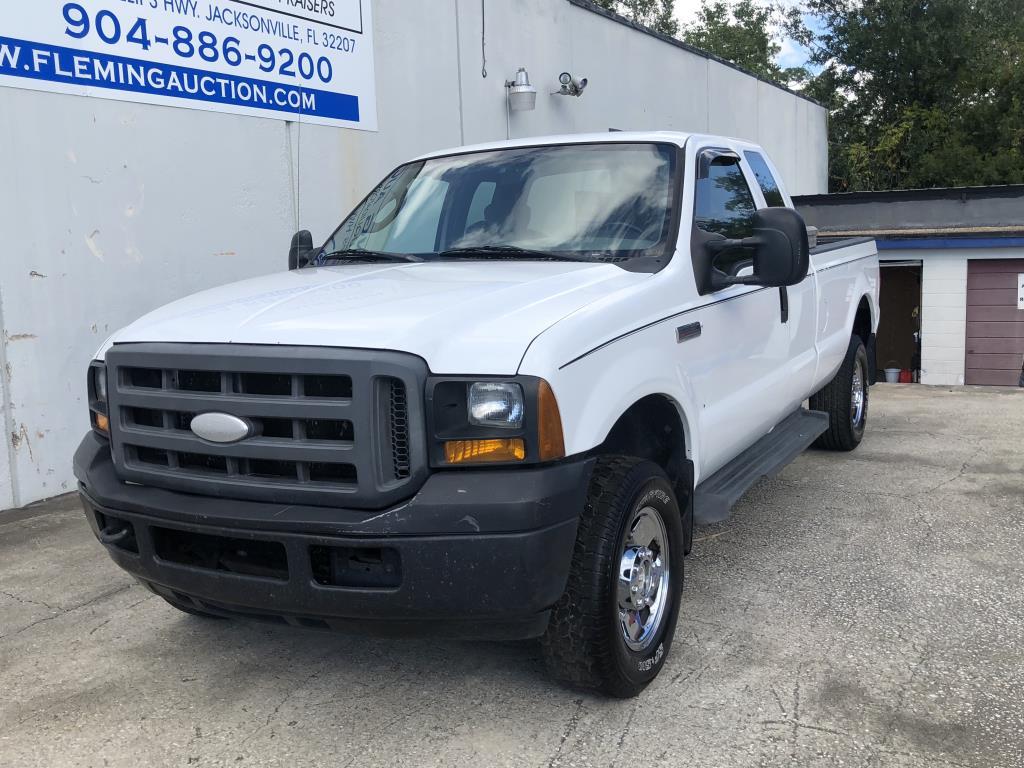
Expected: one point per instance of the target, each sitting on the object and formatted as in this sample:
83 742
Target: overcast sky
791 55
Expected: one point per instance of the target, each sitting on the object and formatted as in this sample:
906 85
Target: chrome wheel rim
857 395
643 588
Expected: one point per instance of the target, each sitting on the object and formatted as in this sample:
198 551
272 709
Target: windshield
591 202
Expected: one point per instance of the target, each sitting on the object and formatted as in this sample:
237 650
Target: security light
522 97
570 85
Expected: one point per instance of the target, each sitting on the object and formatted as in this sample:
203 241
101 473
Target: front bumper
480 553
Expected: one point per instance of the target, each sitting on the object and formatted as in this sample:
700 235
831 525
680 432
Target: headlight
100 375
97 388
493 422
496 404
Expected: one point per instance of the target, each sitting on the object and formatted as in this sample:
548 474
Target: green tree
748 34
658 15
921 93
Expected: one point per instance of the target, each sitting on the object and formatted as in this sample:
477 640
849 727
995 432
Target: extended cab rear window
765 179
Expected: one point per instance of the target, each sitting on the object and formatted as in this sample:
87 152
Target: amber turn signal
483 451
102 422
550 441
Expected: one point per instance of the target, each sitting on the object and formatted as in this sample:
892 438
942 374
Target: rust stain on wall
21 436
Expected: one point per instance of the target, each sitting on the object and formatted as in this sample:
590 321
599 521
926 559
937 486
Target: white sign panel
1020 291
308 60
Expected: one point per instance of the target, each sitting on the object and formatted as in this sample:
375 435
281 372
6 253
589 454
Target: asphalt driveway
859 610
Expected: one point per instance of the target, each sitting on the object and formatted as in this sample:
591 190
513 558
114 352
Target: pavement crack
778 699
796 725
28 601
569 730
629 723
64 611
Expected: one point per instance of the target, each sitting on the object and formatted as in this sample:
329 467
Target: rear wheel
613 627
845 400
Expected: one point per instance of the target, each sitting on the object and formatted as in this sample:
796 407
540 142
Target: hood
461 317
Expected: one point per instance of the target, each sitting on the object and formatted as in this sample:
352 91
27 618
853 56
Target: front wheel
613 627
845 400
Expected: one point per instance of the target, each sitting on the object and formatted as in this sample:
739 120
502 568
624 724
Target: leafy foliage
658 15
921 93
748 34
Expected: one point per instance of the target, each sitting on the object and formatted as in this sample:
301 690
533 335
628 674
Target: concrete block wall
943 317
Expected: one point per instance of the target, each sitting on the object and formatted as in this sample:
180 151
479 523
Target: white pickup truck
493 404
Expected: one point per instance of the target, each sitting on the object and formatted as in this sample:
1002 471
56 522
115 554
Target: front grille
327 425
398 422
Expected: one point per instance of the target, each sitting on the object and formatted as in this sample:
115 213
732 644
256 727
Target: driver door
740 382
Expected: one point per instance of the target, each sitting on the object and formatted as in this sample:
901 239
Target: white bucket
892 375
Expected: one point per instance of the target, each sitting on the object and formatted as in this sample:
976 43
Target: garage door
995 322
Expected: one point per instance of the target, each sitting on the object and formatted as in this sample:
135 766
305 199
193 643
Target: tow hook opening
365 567
115 532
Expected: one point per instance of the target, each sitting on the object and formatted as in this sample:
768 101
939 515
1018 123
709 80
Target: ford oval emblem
220 427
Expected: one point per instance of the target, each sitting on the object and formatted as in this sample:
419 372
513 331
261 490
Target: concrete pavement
861 609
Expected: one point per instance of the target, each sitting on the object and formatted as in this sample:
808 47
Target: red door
995 322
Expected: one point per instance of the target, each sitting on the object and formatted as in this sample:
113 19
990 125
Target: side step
714 498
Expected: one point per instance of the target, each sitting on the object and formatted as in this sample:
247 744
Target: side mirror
301 250
781 253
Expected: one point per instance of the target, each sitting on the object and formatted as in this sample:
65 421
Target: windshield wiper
504 251
357 254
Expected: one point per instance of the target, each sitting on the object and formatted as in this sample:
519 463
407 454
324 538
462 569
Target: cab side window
725 206
765 180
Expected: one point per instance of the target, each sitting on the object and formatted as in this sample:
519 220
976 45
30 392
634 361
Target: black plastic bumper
473 553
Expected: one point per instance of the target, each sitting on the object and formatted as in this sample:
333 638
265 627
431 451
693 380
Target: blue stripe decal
56 64
950 243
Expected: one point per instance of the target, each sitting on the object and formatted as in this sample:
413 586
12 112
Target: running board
714 498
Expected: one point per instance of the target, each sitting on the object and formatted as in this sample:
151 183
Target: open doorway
899 331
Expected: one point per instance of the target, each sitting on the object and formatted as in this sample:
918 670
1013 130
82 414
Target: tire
846 421
193 611
630 506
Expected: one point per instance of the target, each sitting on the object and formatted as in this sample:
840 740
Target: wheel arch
865 320
654 427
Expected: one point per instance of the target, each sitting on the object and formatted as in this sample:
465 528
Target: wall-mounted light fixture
520 96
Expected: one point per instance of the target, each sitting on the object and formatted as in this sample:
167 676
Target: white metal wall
110 209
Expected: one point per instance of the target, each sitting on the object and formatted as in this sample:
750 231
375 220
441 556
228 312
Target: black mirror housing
779 243
781 253
301 250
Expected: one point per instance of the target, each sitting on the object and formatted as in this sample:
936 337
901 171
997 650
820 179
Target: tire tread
578 646
834 399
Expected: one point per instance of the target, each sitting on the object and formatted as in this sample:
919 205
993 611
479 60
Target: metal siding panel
976 280
995 362
993 378
995 330
995 326
992 297
999 314
986 266
996 346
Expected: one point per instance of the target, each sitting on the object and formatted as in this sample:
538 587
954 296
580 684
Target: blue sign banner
21 58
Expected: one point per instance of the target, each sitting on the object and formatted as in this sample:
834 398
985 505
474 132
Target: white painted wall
110 209
944 308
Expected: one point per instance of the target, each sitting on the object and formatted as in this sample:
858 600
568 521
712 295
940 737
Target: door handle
687 332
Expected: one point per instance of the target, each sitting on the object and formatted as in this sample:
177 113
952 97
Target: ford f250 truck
494 403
